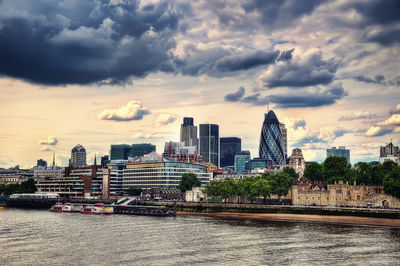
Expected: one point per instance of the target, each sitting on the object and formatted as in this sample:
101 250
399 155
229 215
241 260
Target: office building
242 163
177 151
78 156
209 143
271 140
104 161
284 139
41 162
340 152
389 153
189 132
161 174
229 147
120 152
142 149
258 163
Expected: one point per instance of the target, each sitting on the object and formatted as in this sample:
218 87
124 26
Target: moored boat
98 208
143 210
67 207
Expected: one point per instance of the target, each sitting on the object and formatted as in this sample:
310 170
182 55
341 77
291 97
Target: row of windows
159 178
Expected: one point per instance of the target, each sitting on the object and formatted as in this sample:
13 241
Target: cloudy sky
106 72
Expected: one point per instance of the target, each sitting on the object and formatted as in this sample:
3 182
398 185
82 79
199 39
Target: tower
209 143
78 156
189 132
271 140
54 159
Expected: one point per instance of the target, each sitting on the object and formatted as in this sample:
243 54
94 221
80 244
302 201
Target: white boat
67 207
98 208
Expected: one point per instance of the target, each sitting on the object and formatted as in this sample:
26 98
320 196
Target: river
36 237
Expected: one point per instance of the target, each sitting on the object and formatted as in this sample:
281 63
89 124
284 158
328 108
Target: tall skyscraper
341 152
78 156
284 139
189 132
209 143
142 149
229 147
120 152
271 140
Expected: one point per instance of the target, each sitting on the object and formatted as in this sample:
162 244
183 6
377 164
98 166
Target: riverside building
161 174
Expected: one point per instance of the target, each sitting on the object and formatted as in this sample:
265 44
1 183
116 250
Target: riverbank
303 218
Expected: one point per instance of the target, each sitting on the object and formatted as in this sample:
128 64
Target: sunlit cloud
51 140
132 111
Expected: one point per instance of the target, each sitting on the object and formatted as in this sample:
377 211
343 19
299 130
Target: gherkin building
271 140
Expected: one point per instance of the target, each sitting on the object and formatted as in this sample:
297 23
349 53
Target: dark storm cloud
280 13
374 11
246 61
299 99
379 79
57 42
236 96
308 71
384 36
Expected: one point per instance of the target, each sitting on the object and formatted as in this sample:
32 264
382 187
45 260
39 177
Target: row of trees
337 168
251 187
27 186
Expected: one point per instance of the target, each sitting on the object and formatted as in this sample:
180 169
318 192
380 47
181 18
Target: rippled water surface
33 237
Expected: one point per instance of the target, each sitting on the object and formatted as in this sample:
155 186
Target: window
358 197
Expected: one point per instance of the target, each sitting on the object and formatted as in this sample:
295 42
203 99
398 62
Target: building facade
297 161
284 139
389 153
189 132
242 163
41 162
271 140
161 174
342 194
177 151
120 152
340 152
258 163
78 156
229 147
142 149
209 143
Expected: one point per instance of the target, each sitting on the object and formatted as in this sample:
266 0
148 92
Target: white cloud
147 135
132 111
394 120
374 131
358 115
51 140
165 119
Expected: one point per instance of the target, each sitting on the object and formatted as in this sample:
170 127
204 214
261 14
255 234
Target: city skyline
329 70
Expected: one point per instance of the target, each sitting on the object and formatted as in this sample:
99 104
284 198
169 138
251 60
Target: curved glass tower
271 140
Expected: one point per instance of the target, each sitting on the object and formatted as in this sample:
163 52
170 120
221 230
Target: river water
34 237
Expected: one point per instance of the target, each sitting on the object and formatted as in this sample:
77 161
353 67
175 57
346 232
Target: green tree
134 191
28 186
314 172
391 182
188 181
362 172
262 188
280 183
336 168
290 171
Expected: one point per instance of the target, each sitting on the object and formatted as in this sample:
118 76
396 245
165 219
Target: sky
107 72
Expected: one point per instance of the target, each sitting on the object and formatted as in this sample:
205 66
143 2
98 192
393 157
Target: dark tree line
338 169
27 186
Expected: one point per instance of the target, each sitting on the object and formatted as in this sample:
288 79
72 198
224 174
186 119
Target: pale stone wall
342 195
195 195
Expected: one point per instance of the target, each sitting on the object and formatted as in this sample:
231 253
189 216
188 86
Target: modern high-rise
389 152
142 149
189 132
120 152
104 161
209 143
78 156
284 139
241 162
229 147
340 152
271 140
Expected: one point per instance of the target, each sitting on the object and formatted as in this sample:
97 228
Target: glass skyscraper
271 141
209 143
229 147
120 152
142 149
